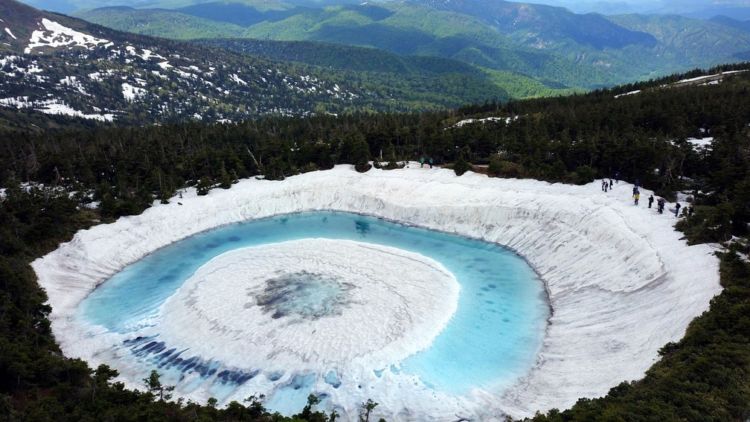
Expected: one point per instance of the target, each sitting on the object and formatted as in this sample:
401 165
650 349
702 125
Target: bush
584 174
708 224
461 166
362 167
204 185
502 168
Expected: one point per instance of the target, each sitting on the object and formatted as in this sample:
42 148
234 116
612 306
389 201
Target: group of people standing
423 161
660 202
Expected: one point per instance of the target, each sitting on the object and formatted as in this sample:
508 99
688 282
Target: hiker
650 200
603 186
431 162
637 197
635 190
610 183
660 205
606 187
677 209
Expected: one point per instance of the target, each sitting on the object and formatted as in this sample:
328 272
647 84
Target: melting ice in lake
340 305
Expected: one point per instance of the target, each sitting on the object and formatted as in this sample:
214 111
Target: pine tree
154 385
204 185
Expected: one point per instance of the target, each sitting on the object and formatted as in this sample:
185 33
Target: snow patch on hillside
55 35
145 55
637 91
465 122
701 143
709 77
236 79
55 107
60 108
73 81
9 32
132 93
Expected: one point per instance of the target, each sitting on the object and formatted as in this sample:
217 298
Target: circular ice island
315 305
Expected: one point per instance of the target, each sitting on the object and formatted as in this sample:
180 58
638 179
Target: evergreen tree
204 185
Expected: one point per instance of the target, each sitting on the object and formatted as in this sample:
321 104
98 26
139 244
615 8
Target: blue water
493 337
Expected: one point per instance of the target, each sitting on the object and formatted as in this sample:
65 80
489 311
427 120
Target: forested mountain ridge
61 65
550 44
546 23
374 64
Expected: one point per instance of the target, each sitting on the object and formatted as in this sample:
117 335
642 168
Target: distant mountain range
59 65
551 45
702 9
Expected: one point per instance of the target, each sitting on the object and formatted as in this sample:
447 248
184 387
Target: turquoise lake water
493 337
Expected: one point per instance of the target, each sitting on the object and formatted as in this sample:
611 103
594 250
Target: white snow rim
620 280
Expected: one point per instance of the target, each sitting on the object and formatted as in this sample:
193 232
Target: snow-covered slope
620 280
54 35
139 79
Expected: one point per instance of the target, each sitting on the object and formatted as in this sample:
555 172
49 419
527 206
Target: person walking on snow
636 197
650 200
660 205
610 184
677 209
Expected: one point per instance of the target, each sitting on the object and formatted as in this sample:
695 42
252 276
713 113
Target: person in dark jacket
650 200
677 210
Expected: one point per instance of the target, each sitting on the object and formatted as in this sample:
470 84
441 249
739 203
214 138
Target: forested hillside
453 78
64 66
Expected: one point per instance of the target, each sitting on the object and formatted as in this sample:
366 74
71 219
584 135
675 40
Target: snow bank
621 282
